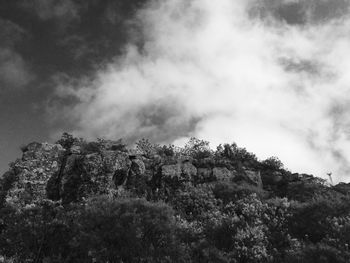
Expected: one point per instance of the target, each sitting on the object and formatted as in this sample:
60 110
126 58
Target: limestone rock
171 171
182 171
137 167
70 179
189 171
39 162
122 165
137 178
136 173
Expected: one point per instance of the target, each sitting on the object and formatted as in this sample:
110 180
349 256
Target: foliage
126 231
118 145
167 150
197 149
239 231
317 253
6 183
272 163
67 140
90 147
310 220
193 202
231 192
306 188
38 231
146 147
190 215
239 156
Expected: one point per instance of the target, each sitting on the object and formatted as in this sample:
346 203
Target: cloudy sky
271 75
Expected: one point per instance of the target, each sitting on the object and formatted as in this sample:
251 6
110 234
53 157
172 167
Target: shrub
67 140
90 147
198 149
35 233
146 147
193 202
236 154
167 150
6 183
231 192
239 231
129 230
272 163
310 221
317 253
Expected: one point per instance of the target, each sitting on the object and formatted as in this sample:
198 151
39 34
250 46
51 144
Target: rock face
222 174
182 171
39 162
48 171
171 171
189 171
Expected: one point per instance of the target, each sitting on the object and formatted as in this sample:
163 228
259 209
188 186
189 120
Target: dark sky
42 40
271 75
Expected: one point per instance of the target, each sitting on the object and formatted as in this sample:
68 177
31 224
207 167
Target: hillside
78 201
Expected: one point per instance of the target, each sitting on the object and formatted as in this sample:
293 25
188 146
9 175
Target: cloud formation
14 71
271 77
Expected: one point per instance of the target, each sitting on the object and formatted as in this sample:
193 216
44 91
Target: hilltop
101 201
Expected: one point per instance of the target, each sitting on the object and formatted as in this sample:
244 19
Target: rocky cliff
78 201
75 172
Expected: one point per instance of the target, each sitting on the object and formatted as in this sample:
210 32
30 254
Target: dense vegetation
260 213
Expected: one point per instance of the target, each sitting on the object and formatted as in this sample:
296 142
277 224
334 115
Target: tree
67 140
197 148
129 230
272 163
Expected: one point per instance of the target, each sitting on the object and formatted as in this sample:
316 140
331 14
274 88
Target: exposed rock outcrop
49 171
39 162
223 174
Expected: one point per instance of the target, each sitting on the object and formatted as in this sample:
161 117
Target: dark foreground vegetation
78 201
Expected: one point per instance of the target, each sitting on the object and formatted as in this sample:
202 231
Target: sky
270 75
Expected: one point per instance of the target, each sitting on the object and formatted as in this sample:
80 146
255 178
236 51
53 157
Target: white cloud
211 70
